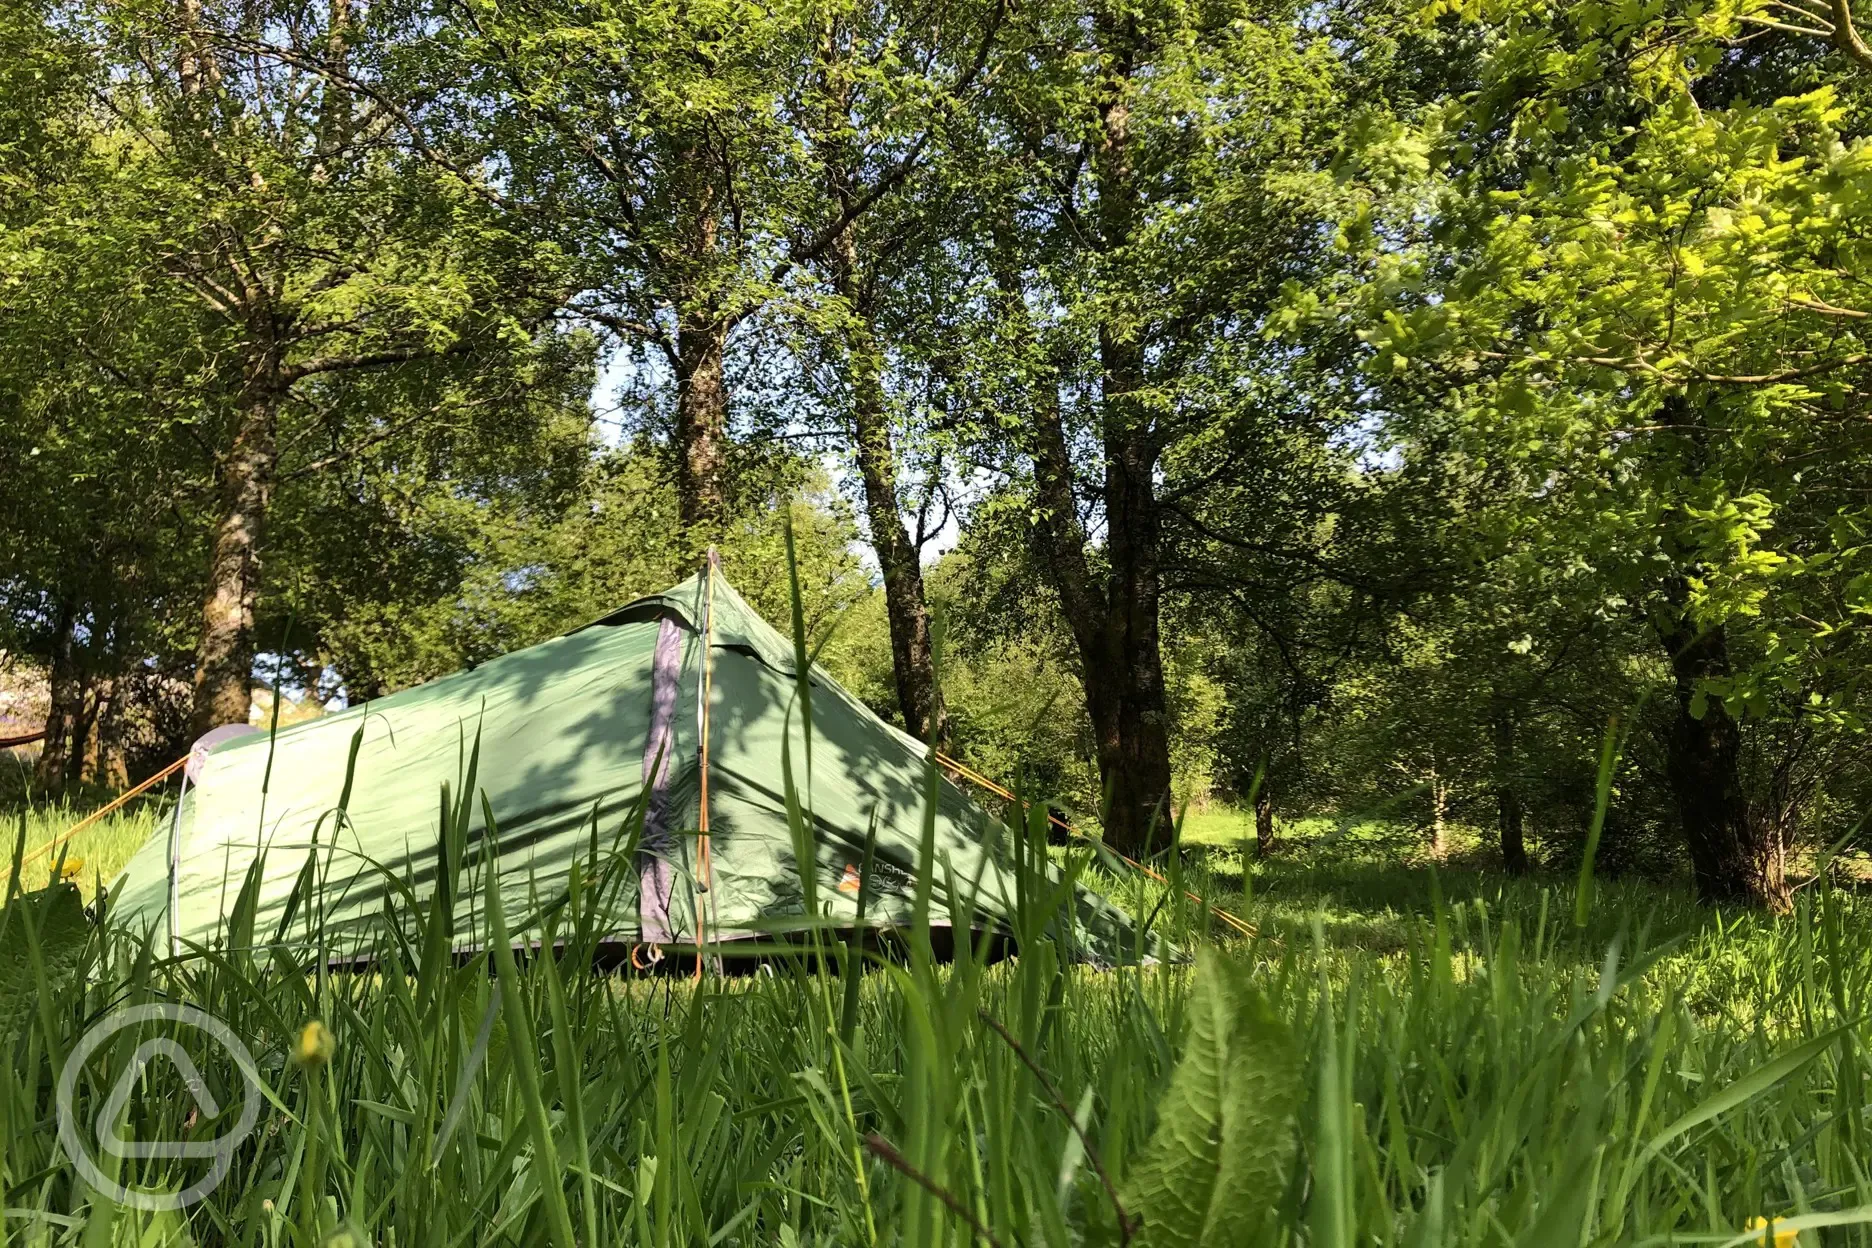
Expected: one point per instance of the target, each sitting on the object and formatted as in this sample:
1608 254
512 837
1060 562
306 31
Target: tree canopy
1312 406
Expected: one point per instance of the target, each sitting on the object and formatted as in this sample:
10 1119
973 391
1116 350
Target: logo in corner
218 1152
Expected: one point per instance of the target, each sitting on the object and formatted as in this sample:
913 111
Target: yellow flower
71 867
315 1045
1775 1237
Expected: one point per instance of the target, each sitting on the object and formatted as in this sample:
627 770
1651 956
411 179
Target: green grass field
94 856
1399 1057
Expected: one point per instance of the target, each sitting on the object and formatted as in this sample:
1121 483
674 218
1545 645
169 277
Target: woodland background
1358 406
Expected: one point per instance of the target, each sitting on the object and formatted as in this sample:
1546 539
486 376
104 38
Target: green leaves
1225 1135
1629 297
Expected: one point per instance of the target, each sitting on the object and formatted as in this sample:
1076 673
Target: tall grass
95 855
1492 1081
1469 1067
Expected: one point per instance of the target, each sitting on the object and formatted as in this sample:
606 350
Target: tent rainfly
688 694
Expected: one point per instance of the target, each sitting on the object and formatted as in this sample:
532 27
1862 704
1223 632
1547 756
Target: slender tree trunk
1508 818
1735 860
192 62
1265 844
65 712
79 741
224 658
700 348
1439 816
1061 540
905 606
334 131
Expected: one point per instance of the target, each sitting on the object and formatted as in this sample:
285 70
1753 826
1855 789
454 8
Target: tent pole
175 862
702 715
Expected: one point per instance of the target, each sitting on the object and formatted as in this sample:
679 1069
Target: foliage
1430 385
1625 265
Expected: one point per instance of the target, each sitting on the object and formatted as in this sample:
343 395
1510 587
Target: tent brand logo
204 1033
850 882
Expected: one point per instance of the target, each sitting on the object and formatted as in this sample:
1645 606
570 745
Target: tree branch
351 452
905 165
1318 564
1827 309
1846 35
369 359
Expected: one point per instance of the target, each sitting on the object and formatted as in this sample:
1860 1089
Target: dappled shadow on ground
1376 904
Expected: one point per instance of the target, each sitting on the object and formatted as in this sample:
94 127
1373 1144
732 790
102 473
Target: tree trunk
1114 620
899 558
105 764
701 423
1114 628
193 63
1507 799
1734 859
1140 781
224 658
702 326
1119 664
65 712
905 606
900 561
1135 750
1264 823
1439 816
334 125
1114 623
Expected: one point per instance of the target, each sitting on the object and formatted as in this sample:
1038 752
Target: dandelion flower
315 1045
1772 1234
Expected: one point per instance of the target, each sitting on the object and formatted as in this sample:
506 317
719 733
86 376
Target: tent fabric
570 733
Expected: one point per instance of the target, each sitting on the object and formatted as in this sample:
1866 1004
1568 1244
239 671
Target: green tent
572 732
